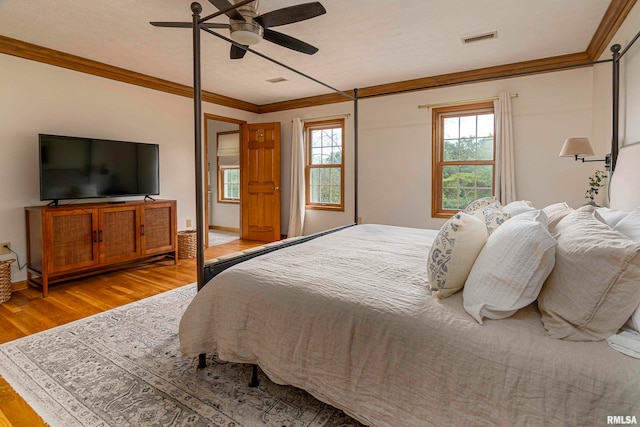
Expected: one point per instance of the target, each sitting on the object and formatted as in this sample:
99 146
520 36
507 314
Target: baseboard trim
223 228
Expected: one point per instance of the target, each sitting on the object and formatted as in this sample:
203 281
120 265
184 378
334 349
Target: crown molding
538 66
611 21
45 55
614 17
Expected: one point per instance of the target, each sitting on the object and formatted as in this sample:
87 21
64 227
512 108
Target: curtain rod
334 116
466 101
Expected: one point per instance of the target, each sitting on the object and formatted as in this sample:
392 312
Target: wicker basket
187 244
5 280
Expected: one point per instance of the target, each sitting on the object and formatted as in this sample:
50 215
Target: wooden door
158 227
71 237
260 182
118 235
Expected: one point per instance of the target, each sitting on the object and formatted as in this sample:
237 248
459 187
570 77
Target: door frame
215 117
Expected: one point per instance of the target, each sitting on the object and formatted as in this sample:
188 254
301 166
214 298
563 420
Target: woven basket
187 244
5 280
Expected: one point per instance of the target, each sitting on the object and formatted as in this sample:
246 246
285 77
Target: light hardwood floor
28 313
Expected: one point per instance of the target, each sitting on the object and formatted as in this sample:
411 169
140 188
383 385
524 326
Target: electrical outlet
188 223
4 248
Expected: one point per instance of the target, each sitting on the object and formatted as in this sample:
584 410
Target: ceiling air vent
277 80
480 37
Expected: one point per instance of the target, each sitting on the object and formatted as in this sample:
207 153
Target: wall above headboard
623 192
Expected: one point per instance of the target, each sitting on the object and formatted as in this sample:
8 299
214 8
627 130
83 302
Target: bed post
355 154
196 8
615 123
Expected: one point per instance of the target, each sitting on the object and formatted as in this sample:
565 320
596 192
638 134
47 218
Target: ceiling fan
248 27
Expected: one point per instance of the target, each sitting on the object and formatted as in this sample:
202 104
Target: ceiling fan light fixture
246 37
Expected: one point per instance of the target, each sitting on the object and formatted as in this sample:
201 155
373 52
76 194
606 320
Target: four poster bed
348 315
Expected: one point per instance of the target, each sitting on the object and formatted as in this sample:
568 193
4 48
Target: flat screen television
82 168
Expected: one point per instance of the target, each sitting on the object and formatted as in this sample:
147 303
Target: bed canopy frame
204 272
197 26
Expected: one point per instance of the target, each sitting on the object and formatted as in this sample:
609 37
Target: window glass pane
451 150
316 138
468 149
484 177
463 184
451 128
231 183
468 126
485 148
450 199
485 125
325 185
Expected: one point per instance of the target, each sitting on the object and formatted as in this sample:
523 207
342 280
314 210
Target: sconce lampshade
576 147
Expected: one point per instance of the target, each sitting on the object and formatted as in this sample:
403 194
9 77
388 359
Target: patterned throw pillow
492 216
480 203
453 253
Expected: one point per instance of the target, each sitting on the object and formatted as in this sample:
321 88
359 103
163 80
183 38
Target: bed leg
254 377
202 361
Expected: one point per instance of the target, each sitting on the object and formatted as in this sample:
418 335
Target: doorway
222 214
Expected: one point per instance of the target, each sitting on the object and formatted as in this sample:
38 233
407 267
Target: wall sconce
579 148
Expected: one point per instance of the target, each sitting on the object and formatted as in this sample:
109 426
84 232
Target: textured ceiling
362 42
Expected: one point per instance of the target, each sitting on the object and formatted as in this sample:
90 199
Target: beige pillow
453 252
595 284
555 213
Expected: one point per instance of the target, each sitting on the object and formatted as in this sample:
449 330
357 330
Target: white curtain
297 203
505 173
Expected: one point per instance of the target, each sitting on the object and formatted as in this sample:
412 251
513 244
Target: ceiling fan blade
187 25
291 14
237 52
225 4
289 42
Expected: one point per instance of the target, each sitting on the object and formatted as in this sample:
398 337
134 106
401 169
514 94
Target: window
228 167
463 156
324 141
229 184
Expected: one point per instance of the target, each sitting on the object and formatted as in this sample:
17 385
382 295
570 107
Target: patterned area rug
217 237
123 367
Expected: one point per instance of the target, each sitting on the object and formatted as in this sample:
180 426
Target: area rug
217 237
123 367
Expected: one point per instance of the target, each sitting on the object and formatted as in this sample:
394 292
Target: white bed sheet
349 318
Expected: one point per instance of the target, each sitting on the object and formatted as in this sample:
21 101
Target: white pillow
634 321
630 225
492 216
453 252
511 268
518 207
611 216
555 213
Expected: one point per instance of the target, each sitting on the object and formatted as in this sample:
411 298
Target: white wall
395 147
39 98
